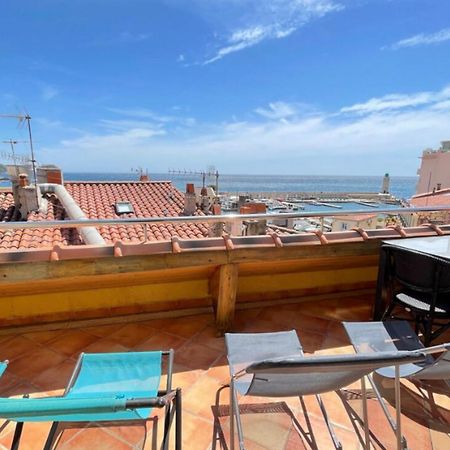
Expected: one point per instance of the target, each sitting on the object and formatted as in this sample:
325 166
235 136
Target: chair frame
329 363
422 318
169 398
396 424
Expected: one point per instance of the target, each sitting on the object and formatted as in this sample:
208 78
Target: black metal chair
420 284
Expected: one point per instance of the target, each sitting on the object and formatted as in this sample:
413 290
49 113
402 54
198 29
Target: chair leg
398 407
336 442
17 434
386 412
178 421
231 415
235 412
51 436
365 414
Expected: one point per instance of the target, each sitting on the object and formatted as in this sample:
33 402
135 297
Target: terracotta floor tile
33 437
55 377
185 378
160 341
196 356
94 437
199 399
132 334
197 432
103 330
185 327
71 343
209 337
16 347
105 345
40 366
44 336
132 432
31 365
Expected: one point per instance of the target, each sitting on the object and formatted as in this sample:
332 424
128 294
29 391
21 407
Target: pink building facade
434 172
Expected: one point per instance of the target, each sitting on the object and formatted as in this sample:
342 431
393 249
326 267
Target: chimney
49 174
23 180
190 204
254 227
204 202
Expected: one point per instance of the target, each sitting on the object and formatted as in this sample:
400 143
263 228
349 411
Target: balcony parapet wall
59 285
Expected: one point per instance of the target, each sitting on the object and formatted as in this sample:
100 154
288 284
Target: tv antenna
25 118
12 156
204 173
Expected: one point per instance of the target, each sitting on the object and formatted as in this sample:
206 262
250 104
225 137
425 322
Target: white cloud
423 39
277 110
269 19
367 140
48 92
143 113
398 101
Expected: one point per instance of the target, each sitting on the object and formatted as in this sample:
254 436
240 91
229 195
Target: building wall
434 170
347 224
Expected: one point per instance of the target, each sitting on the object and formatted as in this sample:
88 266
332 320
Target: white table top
435 245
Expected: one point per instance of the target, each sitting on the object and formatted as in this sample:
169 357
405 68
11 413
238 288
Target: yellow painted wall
84 303
299 280
99 299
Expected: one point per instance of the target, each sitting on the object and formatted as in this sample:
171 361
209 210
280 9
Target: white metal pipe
89 234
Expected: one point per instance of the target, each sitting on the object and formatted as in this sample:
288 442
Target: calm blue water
401 187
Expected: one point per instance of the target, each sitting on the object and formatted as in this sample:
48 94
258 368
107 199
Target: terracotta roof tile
97 200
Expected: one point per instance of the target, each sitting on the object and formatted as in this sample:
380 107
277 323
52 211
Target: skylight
124 208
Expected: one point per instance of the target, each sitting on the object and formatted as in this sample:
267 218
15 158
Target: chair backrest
418 271
318 374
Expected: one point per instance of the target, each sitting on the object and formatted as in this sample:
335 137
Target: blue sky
342 87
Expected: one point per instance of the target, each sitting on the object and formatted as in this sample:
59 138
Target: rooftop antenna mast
204 173
13 156
26 118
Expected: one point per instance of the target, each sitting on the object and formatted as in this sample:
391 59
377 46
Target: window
124 208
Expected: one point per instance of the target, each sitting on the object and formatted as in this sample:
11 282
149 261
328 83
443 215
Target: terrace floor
41 363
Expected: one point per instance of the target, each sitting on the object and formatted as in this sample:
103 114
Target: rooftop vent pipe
90 235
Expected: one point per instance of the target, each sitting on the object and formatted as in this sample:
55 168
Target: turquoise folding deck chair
104 387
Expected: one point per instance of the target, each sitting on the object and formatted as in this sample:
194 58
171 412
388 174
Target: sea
400 186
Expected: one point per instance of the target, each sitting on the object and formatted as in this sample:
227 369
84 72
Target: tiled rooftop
97 200
41 362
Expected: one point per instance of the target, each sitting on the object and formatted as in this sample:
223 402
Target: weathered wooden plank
223 288
10 273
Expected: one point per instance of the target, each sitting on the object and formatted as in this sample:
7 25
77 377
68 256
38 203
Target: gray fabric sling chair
397 335
273 365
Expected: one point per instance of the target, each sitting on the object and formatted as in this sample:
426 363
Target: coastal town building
365 221
434 173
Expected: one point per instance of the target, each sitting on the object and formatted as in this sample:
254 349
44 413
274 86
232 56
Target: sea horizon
400 186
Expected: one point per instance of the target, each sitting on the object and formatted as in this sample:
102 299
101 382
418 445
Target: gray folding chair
273 365
397 335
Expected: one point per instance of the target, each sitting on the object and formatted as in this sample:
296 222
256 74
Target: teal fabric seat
3 366
104 387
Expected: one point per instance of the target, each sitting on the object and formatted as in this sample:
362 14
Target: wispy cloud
372 137
48 92
143 113
398 101
269 19
422 39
